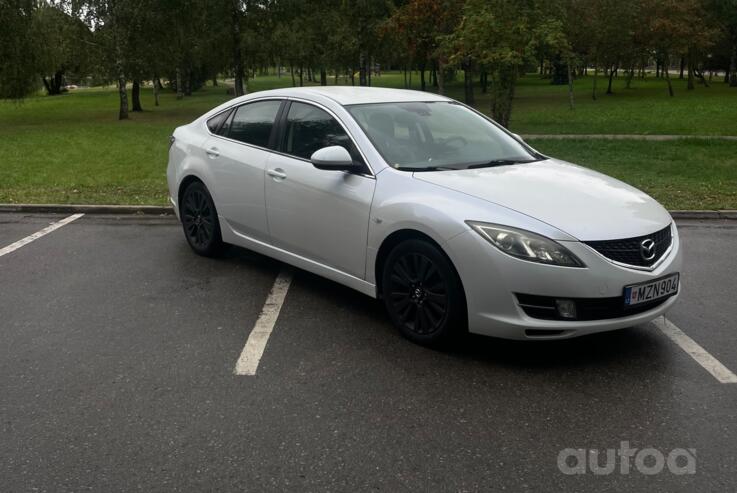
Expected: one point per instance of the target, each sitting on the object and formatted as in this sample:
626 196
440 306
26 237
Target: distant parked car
415 198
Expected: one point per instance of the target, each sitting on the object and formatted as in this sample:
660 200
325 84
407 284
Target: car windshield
436 136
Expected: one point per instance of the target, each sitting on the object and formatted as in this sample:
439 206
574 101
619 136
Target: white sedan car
421 201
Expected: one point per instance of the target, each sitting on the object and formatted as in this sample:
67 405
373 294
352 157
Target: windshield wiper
427 168
501 162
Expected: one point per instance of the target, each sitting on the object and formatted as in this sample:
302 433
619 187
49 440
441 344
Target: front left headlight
526 245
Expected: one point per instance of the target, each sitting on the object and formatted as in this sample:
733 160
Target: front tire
423 294
200 221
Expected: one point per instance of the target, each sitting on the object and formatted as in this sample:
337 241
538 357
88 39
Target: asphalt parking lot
117 354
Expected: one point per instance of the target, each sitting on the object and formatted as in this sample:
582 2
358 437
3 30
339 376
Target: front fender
402 202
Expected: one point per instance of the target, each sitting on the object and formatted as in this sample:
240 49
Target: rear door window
252 123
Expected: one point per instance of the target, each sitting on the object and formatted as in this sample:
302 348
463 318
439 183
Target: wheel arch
400 236
184 183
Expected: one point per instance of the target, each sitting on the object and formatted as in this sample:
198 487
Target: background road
117 348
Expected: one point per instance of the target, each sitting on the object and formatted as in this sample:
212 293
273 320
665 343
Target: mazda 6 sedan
414 198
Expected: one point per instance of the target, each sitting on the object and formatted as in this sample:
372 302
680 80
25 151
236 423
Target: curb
147 210
700 214
162 210
648 137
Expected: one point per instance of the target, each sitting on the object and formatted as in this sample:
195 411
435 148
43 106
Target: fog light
566 308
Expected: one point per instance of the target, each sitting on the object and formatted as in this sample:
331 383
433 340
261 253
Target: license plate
651 290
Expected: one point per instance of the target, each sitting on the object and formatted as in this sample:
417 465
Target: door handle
213 152
278 174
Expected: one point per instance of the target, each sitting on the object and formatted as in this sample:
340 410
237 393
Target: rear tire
423 294
200 221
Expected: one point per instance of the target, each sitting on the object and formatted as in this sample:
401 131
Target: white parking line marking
250 357
699 354
38 234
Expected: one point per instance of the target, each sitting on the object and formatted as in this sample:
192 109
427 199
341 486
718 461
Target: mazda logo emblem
647 249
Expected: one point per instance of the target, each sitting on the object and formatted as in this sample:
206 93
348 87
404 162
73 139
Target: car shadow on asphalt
641 345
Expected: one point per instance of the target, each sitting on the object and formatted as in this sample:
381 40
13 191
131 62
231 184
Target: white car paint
334 223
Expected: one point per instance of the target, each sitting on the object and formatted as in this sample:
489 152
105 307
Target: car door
321 215
238 153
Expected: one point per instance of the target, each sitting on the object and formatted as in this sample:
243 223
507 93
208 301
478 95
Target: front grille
543 307
627 251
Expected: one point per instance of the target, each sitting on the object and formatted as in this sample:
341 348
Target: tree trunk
188 83
136 95
683 65
502 93
323 77
700 74
214 81
484 82
596 77
337 72
732 73
362 75
630 76
611 76
156 83
441 77
468 87
690 85
667 77
123 113
238 71
180 83
301 77
55 83
291 69
570 84
422 77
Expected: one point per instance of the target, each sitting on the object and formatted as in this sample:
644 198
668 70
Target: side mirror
335 158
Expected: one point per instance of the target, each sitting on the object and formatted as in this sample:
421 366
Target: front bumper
490 279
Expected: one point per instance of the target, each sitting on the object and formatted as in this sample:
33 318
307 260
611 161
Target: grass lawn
684 174
72 148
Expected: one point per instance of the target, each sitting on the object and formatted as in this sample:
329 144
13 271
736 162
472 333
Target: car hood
583 203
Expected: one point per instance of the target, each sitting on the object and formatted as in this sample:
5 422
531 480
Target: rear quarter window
214 123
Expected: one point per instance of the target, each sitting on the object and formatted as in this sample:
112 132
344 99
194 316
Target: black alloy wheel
423 294
200 220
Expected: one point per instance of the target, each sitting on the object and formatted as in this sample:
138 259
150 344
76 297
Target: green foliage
71 148
19 62
685 174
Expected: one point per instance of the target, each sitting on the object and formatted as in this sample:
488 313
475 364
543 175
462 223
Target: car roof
347 95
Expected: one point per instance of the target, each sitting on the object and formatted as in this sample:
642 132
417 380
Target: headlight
526 245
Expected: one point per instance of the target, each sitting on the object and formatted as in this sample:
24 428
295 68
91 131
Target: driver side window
309 128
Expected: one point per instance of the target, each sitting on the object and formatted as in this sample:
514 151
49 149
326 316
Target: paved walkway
627 137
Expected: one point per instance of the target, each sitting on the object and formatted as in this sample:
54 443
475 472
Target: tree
66 48
726 12
679 28
420 26
19 64
496 34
